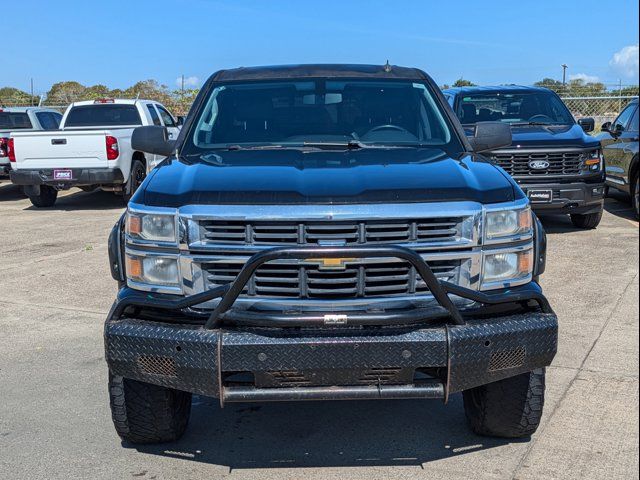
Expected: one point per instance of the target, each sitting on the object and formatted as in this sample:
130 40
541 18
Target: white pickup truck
91 150
23 119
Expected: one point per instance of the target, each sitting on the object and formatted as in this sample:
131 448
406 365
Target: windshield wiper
520 124
350 145
252 147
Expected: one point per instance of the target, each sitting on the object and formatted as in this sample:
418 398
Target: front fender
540 247
116 251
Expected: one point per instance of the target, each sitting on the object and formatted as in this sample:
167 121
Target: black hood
331 177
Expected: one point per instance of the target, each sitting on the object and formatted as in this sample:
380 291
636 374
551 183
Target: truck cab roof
110 101
328 70
495 88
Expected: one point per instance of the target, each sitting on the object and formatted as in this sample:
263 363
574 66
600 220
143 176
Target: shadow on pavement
79 200
9 191
619 204
558 224
324 434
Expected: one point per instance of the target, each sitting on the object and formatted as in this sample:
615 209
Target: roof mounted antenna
387 67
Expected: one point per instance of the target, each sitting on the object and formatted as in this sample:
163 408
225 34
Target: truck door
616 142
169 122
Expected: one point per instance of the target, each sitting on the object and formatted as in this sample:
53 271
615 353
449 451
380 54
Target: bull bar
472 351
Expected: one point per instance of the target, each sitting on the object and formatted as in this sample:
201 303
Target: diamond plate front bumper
195 359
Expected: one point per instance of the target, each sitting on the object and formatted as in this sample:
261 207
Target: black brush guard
193 358
228 294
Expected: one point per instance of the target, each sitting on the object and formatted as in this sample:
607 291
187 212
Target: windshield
320 113
103 116
513 108
14 121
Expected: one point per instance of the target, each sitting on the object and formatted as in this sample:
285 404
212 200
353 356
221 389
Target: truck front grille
560 163
357 280
282 233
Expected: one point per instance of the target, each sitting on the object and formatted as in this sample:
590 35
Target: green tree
150 90
63 93
461 82
97 91
14 96
550 83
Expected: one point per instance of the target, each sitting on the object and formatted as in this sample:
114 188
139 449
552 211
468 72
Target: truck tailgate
61 149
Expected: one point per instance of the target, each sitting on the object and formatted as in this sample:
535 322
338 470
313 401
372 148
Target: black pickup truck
326 232
554 161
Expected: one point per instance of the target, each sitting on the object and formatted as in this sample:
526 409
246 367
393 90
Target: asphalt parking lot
55 421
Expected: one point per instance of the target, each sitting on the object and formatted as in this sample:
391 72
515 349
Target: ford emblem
539 164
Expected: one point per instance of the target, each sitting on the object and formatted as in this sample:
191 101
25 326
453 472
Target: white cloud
584 77
189 82
625 62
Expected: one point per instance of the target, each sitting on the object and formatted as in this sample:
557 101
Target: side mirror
606 127
587 124
180 120
490 136
152 139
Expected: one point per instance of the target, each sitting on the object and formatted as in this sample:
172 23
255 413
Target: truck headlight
593 161
502 224
151 227
503 269
153 271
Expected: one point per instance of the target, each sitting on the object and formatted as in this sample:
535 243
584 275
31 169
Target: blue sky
119 42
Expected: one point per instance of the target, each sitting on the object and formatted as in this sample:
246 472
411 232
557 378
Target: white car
91 150
23 119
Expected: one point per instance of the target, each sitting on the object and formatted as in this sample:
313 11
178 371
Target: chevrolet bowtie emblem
330 263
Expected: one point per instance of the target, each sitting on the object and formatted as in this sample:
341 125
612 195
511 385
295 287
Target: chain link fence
601 109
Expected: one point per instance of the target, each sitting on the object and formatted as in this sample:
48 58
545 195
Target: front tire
136 176
46 198
635 193
146 413
588 221
509 408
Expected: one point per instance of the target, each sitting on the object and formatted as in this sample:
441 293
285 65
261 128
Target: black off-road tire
588 221
510 408
136 176
145 413
47 197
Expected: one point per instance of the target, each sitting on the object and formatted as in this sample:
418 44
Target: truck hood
558 136
325 177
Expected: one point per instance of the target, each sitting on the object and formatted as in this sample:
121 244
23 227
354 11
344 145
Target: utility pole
31 99
619 95
564 74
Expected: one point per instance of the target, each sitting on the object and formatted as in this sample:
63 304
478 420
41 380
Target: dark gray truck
326 232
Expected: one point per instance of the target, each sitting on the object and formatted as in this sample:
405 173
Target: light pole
564 74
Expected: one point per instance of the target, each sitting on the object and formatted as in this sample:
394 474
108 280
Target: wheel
46 198
145 413
509 408
588 221
635 192
136 177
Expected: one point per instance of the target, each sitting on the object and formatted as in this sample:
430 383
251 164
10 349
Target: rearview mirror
180 120
587 124
606 126
152 139
489 136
